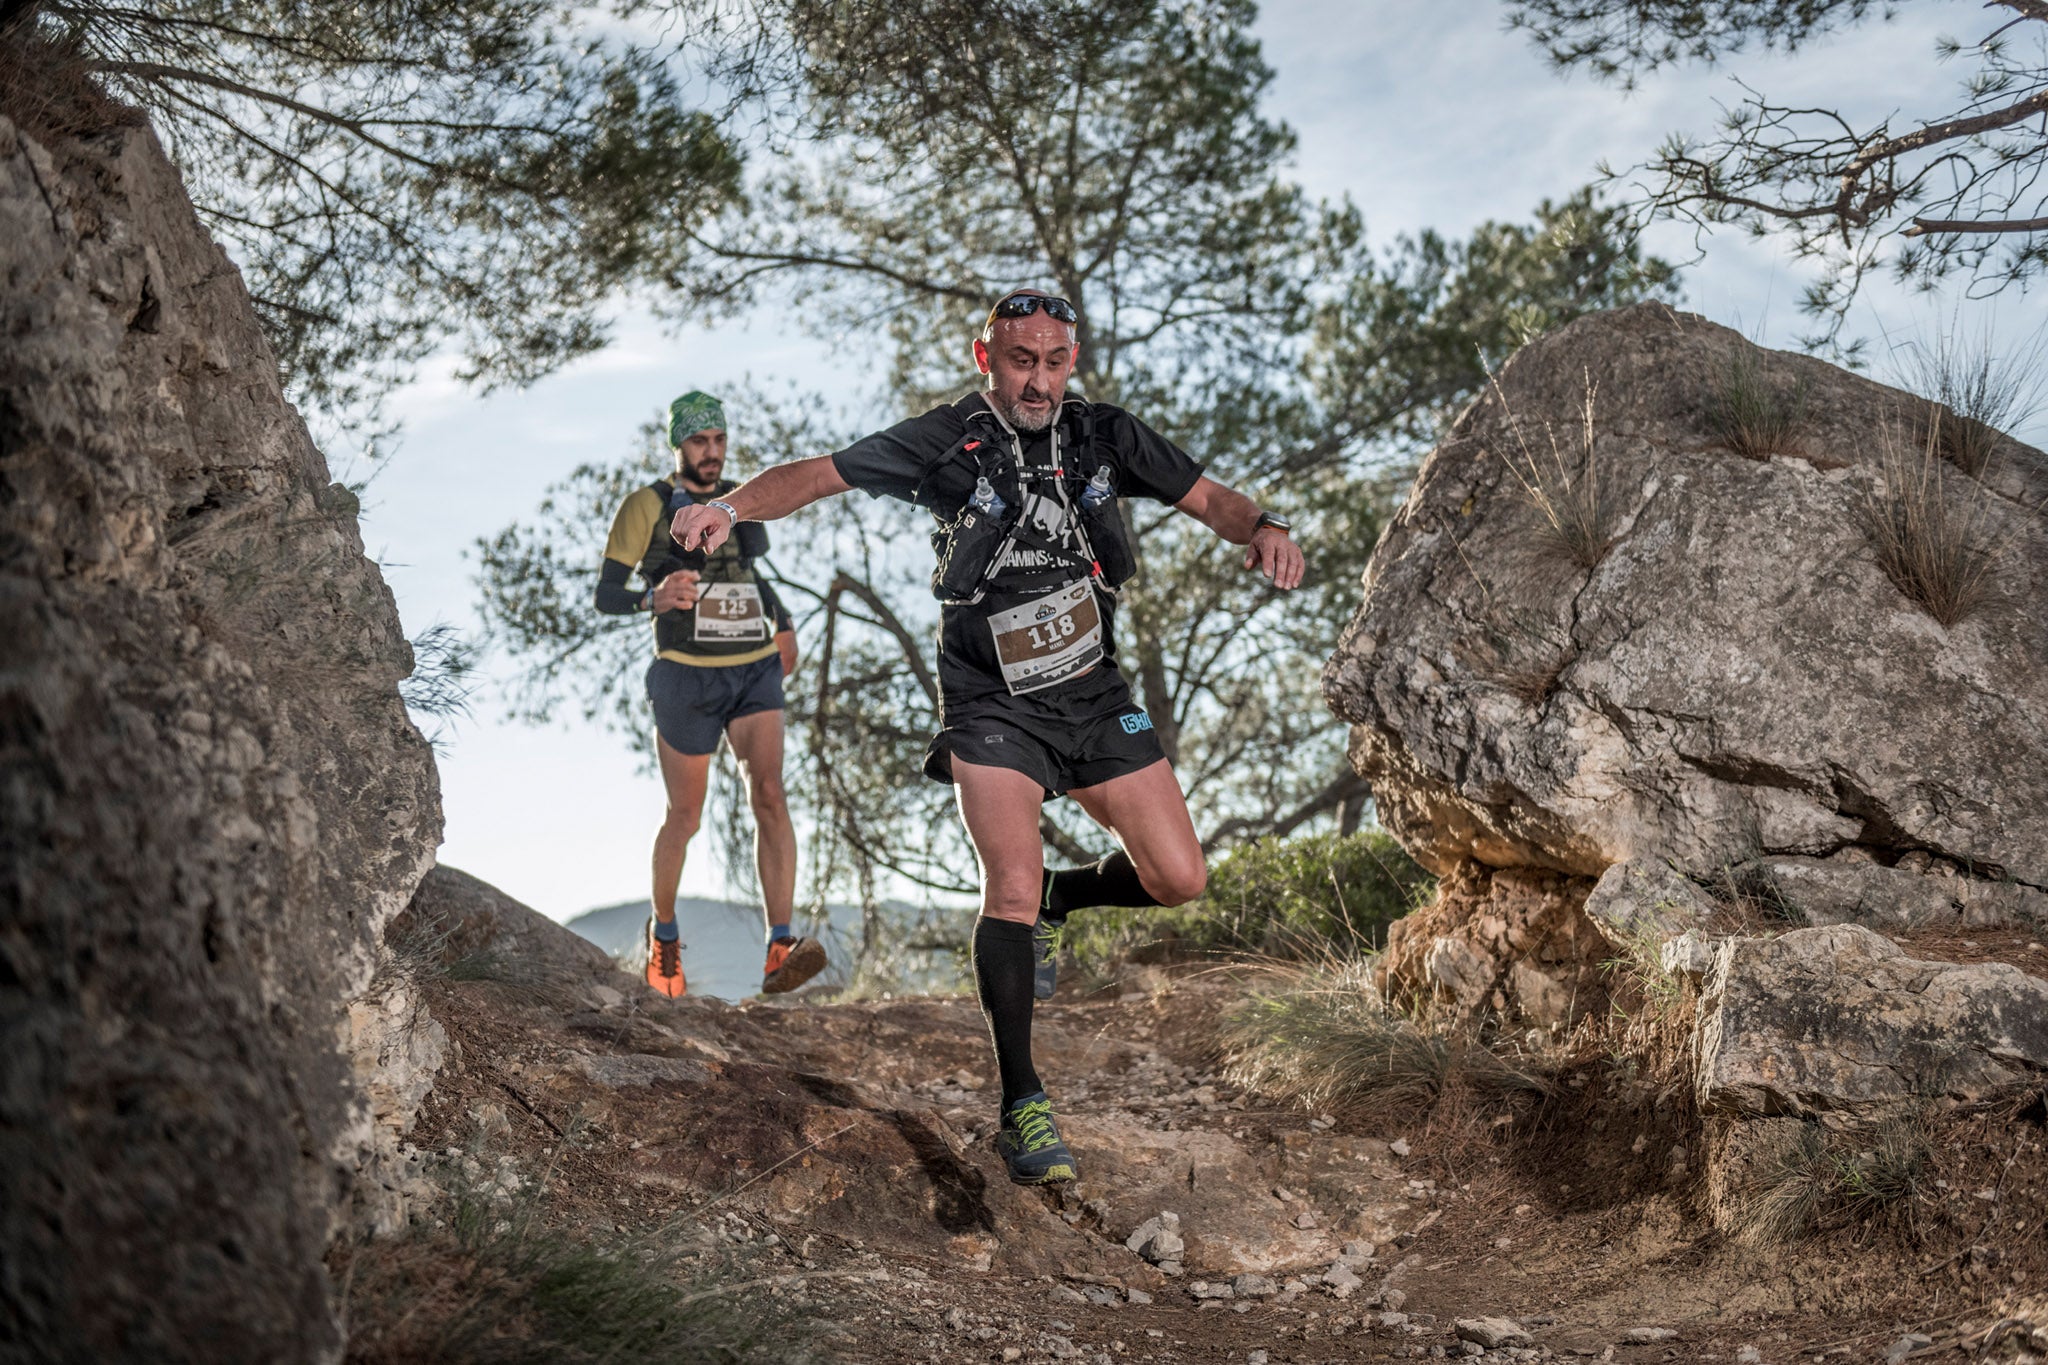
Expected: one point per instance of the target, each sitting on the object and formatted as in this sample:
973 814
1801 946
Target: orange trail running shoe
664 963
791 962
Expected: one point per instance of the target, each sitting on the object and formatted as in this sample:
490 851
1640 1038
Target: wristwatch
726 507
1274 520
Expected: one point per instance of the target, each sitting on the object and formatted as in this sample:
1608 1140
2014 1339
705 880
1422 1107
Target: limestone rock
214 801
1838 1020
1158 1238
1642 902
1492 1333
1916 894
1735 676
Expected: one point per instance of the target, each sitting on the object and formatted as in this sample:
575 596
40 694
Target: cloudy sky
1425 112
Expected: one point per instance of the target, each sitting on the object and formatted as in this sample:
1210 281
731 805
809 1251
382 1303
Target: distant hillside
617 928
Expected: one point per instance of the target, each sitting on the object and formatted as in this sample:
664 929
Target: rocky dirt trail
844 1153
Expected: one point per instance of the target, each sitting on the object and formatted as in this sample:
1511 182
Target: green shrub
1278 898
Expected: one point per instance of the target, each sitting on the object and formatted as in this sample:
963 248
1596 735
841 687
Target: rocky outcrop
1503 943
1734 676
214 798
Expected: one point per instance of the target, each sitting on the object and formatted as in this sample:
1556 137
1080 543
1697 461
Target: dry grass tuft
1751 895
494 1281
1317 1033
1974 393
1933 528
1564 488
47 89
1821 1176
1754 417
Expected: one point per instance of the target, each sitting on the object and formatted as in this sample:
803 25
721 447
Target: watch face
1276 521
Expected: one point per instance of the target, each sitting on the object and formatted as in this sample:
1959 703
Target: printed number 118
1051 632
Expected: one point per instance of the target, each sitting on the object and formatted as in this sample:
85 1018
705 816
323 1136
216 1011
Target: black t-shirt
908 461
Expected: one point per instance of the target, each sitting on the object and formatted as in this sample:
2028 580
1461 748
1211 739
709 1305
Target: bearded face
1028 361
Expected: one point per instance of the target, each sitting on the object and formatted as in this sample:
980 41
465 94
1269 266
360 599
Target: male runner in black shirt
1032 704
723 643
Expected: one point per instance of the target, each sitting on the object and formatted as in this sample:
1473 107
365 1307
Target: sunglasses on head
1024 305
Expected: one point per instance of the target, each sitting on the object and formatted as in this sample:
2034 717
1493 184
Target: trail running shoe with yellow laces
664 963
1045 954
1031 1146
791 962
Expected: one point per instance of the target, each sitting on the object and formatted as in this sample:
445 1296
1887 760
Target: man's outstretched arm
769 495
1235 517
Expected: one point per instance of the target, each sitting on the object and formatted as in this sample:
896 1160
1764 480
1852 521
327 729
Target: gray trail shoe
1031 1146
1046 936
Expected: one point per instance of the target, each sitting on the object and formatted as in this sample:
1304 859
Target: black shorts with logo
1076 735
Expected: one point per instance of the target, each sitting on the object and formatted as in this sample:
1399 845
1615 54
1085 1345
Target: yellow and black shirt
737 615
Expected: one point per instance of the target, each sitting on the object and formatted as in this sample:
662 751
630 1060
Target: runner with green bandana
723 644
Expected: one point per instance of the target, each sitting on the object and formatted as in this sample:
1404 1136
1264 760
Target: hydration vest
733 563
969 544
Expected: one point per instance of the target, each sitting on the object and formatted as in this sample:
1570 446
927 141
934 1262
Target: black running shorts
1077 735
693 704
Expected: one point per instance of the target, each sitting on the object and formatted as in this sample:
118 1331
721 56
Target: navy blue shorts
1079 734
693 705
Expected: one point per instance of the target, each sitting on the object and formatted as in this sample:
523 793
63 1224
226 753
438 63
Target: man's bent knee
1175 883
1012 898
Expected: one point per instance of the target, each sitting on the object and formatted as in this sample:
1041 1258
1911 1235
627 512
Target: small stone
1493 1332
1523 1210
1102 1296
1207 1289
1169 1268
1062 1294
1393 1319
1749 1355
956 1319
1281 1193
1399 1147
1304 1220
1250 1286
1241 1306
1472 1348
1137 1295
1647 1336
1904 1347
1393 1298
1255 1358
1356 1254
1012 1353
1341 1280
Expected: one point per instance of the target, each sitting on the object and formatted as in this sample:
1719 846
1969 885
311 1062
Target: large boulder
1734 676
214 799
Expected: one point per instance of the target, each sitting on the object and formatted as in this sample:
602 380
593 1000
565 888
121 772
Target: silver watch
726 507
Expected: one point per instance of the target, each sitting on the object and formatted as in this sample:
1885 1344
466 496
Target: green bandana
692 413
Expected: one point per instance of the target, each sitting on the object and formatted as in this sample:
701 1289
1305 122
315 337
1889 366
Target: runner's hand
1275 556
677 592
698 527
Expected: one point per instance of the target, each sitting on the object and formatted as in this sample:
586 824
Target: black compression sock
1002 980
1113 881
